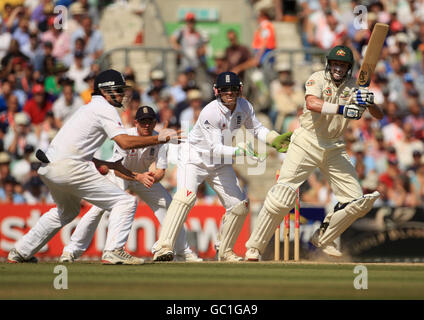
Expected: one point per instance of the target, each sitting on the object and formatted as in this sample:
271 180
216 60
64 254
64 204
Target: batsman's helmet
227 80
340 53
112 83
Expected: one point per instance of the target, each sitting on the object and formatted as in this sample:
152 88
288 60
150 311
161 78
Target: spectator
5 39
93 38
5 160
388 177
236 53
67 103
38 105
179 89
264 42
165 111
406 146
329 31
194 98
393 131
21 34
78 72
415 117
361 157
21 169
12 52
157 85
8 193
417 161
7 116
402 194
59 39
34 192
286 97
86 94
128 116
192 44
220 65
19 135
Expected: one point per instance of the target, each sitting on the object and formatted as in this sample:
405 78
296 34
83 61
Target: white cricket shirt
211 136
85 131
139 160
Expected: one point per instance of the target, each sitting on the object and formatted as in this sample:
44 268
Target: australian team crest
340 53
328 92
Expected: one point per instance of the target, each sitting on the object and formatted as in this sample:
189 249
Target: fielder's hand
246 149
281 143
362 97
353 112
146 178
169 135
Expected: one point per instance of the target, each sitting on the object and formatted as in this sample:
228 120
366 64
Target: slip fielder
208 141
332 100
145 184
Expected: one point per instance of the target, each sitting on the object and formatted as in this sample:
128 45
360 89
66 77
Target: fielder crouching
207 142
332 100
69 174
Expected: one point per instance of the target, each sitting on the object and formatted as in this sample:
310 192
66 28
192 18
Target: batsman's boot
67 257
187 257
15 257
252 254
119 256
164 254
230 256
330 249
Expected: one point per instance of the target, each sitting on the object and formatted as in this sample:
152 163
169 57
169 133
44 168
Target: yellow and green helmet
341 53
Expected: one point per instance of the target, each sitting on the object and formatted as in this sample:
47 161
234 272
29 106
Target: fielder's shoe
164 254
15 257
187 257
119 256
230 256
67 257
252 255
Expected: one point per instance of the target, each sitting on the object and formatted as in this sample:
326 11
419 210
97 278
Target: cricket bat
375 44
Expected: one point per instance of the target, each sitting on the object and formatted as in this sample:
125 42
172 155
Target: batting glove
352 111
281 143
362 97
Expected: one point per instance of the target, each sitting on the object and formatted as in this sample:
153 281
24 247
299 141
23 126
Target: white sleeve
252 123
213 135
162 160
111 123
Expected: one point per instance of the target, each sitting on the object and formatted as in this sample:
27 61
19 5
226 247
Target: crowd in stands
47 73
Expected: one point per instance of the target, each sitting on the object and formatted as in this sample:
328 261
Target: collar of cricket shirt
225 110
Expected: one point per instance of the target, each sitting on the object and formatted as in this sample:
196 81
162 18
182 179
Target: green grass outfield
212 280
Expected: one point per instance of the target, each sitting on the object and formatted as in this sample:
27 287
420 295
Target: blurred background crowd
47 73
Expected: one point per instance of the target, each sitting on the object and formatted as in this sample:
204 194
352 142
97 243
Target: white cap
157 75
22 118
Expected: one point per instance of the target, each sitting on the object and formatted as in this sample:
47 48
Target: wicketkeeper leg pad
279 200
175 217
342 219
232 225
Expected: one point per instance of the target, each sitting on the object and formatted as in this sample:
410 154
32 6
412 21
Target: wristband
329 108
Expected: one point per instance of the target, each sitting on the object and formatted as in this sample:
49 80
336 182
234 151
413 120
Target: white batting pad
342 219
279 201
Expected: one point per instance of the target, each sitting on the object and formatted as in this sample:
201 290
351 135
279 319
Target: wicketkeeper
203 158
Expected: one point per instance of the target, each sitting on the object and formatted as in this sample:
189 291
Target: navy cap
145 112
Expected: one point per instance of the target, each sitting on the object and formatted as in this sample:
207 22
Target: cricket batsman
332 100
208 141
